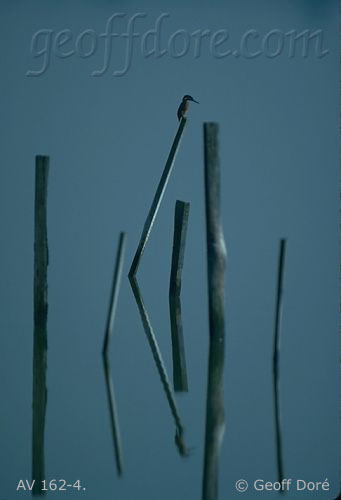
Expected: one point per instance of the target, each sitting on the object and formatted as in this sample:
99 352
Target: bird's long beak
195 101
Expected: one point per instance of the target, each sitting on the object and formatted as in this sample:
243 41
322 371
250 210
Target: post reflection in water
113 415
38 423
106 365
179 435
178 348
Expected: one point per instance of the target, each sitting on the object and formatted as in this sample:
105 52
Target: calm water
108 139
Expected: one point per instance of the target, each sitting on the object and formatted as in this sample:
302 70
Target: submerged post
216 256
276 349
178 347
157 199
40 322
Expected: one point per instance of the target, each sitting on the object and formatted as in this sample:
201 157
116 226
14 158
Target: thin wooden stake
157 199
178 348
216 256
106 365
40 323
114 291
276 350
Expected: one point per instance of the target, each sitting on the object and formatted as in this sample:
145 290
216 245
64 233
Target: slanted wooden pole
114 290
40 322
157 199
216 256
147 326
276 350
178 348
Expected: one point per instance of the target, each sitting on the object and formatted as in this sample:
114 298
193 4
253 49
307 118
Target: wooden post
178 348
159 365
114 291
157 199
216 256
276 350
40 322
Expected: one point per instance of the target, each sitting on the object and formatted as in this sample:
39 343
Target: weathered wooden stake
40 322
276 350
178 348
157 199
159 365
216 256
114 291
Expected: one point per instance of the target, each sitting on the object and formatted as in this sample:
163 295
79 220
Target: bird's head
189 98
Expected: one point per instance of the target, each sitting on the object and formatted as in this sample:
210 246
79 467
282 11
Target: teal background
108 138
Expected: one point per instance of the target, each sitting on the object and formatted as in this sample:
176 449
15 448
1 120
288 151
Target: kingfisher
184 105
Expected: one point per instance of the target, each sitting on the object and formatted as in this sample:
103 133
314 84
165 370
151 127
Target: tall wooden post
40 322
216 256
276 350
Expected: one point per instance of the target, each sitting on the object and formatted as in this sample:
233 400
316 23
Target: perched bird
184 105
